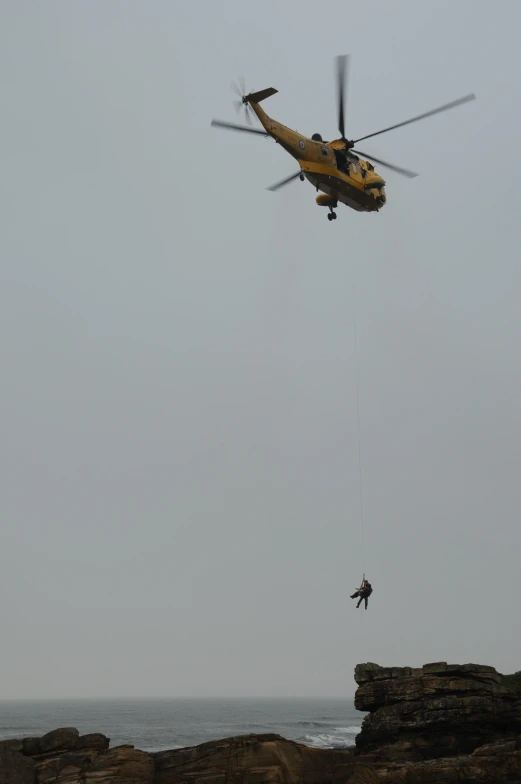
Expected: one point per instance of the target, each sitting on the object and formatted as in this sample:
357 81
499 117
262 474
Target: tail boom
261 95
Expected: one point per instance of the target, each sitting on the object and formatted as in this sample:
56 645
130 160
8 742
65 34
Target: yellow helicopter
335 168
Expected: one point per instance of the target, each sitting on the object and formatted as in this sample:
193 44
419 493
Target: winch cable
358 439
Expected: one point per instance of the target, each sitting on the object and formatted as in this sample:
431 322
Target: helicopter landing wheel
331 216
301 177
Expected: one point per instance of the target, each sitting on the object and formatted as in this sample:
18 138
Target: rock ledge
435 711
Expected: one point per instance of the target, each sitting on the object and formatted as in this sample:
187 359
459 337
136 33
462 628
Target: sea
153 725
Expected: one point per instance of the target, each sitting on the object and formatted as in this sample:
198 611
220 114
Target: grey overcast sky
180 490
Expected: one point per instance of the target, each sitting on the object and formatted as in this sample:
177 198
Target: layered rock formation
65 757
254 759
435 711
497 763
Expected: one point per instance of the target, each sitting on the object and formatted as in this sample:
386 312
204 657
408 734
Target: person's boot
354 595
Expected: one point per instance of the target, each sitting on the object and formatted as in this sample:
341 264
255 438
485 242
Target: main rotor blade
234 127
342 65
283 182
444 108
397 169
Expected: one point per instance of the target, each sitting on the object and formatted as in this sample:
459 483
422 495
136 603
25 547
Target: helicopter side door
355 173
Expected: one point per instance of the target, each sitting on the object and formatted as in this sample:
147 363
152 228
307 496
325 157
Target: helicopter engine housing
326 200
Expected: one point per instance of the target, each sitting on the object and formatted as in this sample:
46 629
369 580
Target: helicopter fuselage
330 167
339 169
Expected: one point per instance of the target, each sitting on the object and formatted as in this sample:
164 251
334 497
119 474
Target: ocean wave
354 730
316 724
329 740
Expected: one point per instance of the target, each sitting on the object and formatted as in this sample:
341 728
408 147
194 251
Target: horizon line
177 697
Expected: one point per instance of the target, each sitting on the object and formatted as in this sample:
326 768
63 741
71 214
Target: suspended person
364 592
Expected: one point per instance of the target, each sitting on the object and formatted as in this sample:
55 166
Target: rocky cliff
65 757
431 725
435 711
251 759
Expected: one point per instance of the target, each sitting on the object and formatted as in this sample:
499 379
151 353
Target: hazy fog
180 490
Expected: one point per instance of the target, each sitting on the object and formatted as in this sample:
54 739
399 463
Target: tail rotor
240 90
